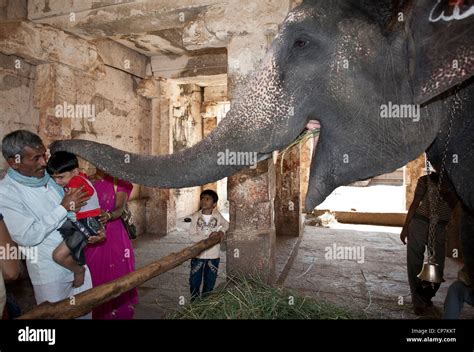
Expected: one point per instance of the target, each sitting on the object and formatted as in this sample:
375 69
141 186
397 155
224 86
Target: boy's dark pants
203 270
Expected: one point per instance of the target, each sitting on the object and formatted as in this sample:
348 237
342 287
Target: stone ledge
42 44
351 217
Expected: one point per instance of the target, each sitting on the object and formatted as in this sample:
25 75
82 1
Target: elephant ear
443 46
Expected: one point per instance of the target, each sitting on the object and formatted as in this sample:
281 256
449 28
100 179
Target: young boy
83 223
207 222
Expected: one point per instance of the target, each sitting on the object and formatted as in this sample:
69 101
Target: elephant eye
301 43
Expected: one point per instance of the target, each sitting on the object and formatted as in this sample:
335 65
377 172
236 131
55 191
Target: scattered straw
252 298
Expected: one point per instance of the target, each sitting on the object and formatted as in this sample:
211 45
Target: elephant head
348 64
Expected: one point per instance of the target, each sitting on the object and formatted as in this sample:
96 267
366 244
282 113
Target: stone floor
375 287
168 291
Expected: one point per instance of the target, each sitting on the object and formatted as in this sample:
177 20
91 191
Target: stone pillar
306 156
186 132
251 237
166 206
208 124
212 112
288 193
413 171
161 207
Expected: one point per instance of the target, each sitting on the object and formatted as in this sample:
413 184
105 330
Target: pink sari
114 257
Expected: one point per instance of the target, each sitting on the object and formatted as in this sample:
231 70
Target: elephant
386 80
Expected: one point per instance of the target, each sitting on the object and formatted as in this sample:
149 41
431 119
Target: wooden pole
84 302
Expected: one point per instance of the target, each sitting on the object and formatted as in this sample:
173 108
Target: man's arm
23 227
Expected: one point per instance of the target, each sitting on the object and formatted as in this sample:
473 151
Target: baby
82 223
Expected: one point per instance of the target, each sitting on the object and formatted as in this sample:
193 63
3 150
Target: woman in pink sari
114 257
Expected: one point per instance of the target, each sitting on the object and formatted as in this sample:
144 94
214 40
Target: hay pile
251 298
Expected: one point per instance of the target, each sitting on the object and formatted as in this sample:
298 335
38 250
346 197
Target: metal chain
434 217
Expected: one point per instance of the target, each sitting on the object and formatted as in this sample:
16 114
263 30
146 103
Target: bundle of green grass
251 298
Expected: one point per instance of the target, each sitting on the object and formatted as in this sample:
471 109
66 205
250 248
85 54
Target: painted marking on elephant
456 14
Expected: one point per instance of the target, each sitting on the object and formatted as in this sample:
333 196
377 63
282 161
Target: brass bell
431 272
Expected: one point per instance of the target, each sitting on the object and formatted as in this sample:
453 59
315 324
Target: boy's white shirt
199 231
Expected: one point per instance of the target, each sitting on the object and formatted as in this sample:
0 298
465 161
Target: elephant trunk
210 160
256 125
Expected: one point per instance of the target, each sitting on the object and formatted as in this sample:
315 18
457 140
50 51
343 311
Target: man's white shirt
33 216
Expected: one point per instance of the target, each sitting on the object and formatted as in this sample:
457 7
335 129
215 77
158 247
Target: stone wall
17 111
207 38
39 83
122 120
13 9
